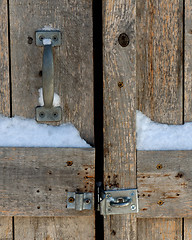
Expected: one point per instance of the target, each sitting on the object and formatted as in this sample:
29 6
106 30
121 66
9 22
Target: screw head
71 200
87 201
133 207
55 114
41 38
55 38
108 195
41 114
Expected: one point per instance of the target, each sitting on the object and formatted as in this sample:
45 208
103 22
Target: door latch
117 201
79 201
48 39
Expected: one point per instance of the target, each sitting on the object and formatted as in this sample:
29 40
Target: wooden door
36 181
147 55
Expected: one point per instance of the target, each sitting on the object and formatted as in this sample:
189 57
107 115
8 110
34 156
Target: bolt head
133 207
87 201
71 200
108 195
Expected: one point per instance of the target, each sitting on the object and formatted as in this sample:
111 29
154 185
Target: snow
56 99
156 136
46 41
48 28
21 132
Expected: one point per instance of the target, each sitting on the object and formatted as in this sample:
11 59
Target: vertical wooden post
188 87
160 79
5 222
119 32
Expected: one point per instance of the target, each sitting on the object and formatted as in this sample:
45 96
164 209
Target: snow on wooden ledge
157 136
21 132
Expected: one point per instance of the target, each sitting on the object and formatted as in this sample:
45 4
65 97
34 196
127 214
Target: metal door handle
120 202
48 39
48 76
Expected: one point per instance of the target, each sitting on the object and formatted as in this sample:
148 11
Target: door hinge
79 201
116 201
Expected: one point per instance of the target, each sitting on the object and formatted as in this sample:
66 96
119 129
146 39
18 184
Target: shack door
147 67
35 181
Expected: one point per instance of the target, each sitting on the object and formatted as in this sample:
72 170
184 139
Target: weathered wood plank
54 228
164 183
72 60
160 60
119 108
5 222
160 229
187 228
4 61
6 232
35 181
187 63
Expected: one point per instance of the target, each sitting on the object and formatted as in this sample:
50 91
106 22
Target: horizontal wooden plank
164 183
160 229
55 228
35 181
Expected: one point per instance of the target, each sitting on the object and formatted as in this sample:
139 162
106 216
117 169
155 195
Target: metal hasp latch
48 40
117 201
79 201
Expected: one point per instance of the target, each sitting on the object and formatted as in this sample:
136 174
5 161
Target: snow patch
48 28
56 99
21 132
157 136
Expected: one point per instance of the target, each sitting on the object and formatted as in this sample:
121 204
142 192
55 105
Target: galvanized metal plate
53 114
54 35
79 201
120 201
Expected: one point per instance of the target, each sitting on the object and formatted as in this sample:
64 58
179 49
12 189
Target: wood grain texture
5 222
72 60
54 228
188 62
35 181
164 183
160 60
6 232
119 65
4 61
187 228
160 229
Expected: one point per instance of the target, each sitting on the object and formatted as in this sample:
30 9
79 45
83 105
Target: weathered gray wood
35 181
164 183
119 109
5 222
188 62
187 228
6 232
4 61
160 60
72 60
54 228
160 229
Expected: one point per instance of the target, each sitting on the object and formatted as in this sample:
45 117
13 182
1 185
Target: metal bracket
48 39
117 201
79 201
